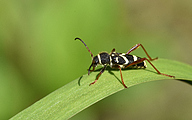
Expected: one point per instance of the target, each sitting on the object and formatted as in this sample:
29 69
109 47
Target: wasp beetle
120 61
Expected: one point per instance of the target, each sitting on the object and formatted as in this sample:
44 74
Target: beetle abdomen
124 60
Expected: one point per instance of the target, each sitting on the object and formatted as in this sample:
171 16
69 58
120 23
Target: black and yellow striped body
123 60
117 59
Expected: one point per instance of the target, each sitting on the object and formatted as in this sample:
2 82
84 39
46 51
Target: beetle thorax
102 58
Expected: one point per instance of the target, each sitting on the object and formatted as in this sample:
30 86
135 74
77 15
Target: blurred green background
38 53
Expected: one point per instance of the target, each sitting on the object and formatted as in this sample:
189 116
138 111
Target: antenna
85 46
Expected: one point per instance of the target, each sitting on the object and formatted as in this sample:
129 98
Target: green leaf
78 95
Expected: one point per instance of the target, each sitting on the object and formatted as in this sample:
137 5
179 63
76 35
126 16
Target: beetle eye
95 61
94 64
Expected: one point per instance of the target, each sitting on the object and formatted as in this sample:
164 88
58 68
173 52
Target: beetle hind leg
143 59
137 46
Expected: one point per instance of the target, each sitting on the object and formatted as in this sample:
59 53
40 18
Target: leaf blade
78 95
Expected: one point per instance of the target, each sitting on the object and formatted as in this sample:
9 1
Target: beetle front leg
91 70
99 75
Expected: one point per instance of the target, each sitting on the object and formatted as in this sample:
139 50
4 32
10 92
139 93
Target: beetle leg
143 59
137 46
91 70
99 75
122 77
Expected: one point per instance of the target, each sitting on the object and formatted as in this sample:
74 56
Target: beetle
120 61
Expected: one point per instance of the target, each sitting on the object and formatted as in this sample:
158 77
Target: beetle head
94 64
